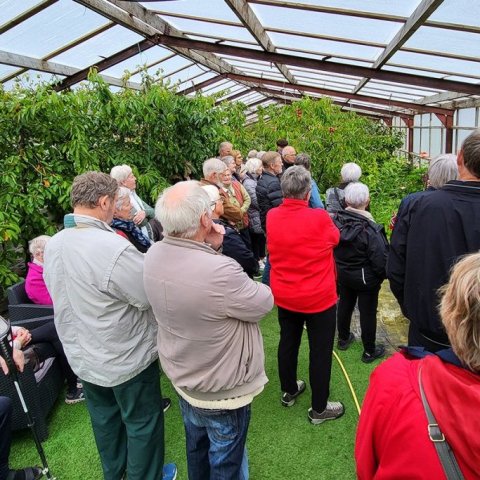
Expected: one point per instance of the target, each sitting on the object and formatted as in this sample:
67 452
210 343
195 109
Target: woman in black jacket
361 258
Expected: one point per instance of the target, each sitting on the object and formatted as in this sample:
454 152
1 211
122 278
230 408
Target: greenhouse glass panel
98 48
461 12
327 46
435 142
425 141
9 9
31 79
46 32
443 40
461 136
417 133
466 117
184 75
147 57
354 28
6 70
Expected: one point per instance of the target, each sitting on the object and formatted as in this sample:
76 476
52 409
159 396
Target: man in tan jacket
209 342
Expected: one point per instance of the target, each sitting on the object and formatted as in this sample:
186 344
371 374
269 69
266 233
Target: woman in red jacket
300 243
393 434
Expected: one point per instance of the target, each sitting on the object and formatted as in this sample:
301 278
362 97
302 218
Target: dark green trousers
127 422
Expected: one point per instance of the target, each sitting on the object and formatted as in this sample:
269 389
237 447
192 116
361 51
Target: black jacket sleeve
234 247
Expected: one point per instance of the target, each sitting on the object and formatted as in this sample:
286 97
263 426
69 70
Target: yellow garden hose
355 399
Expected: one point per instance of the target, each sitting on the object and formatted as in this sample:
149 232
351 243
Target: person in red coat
393 437
300 243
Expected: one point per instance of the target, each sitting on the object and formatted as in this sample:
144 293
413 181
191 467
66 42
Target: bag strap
445 453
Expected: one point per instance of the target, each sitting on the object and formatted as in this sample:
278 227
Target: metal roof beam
355 96
353 70
234 96
107 63
247 16
26 15
418 17
54 68
201 85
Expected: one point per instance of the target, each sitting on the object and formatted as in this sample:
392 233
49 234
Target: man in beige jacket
209 342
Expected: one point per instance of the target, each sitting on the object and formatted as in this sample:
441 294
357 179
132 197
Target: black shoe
29 473
288 399
344 344
379 352
166 404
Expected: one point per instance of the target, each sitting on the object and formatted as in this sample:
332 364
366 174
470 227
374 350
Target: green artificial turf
281 442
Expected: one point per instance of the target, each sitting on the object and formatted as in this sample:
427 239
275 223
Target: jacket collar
458 185
192 244
72 220
294 202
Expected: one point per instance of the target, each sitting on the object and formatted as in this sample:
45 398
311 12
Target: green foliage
47 138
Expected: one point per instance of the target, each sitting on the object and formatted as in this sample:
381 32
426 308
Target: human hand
139 217
24 337
18 359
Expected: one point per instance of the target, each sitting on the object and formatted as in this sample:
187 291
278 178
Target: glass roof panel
462 12
98 48
50 29
443 40
6 70
431 61
327 46
195 8
152 55
183 75
335 25
9 9
393 7
405 89
31 78
223 31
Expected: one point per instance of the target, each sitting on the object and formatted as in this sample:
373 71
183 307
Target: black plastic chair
20 307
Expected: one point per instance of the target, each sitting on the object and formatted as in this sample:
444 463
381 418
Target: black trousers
47 344
258 245
426 340
5 435
367 304
321 332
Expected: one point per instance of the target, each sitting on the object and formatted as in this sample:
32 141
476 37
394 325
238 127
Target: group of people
123 299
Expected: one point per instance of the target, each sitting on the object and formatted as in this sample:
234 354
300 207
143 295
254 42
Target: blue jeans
216 442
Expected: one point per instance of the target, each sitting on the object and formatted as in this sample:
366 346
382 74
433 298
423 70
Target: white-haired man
224 149
107 329
209 342
213 171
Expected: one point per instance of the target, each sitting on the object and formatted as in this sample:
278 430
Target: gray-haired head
180 208
296 182
471 153
213 165
120 172
357 195
88 188
252 154
228 160
303 160
350 172
260 154
253 164
36 246
225 148
442 169
123 193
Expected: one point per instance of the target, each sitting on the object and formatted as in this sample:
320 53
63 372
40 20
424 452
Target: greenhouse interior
154 91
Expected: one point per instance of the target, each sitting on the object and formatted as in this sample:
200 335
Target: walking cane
6 352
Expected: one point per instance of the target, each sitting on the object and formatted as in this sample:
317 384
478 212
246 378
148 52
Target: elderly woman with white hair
254 169
334 201
35 287
123 224
142 212
361 258
396 437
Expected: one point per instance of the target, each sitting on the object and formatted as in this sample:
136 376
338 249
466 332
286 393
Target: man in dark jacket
361 257
269 195
434 231
269 192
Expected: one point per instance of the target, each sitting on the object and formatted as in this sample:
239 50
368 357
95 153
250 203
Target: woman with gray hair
395 435
361 258
300 243
142 212
334 201
123 224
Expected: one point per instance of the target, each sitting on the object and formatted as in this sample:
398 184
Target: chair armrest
31 323
24 311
